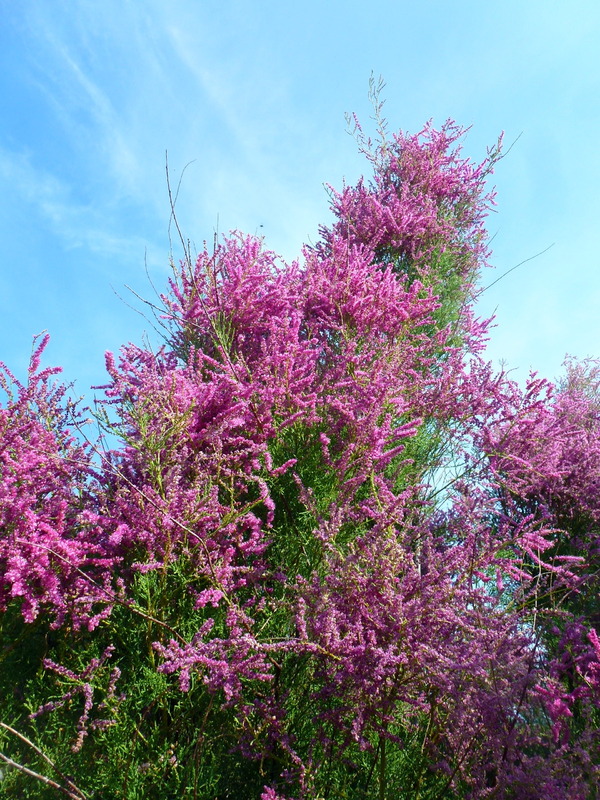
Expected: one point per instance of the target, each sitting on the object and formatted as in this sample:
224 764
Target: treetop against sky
333 552
253 99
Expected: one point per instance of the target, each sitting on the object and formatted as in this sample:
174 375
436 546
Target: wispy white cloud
74 224
195 85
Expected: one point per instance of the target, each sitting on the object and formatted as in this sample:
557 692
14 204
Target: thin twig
172 203
43 755
42 778
508 271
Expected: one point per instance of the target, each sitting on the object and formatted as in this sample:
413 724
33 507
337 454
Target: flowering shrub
335 554
50 530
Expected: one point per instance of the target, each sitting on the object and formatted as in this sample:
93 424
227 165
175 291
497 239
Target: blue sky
93 92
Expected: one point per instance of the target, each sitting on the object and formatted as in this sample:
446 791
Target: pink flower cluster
377 532
51 548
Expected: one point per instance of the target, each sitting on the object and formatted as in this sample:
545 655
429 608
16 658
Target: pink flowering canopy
333 552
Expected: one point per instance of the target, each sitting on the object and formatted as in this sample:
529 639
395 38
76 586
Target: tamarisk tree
334 554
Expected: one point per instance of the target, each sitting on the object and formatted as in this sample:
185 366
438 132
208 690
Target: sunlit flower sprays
336 555
49 527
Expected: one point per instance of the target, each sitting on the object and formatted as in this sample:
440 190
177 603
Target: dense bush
335 555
